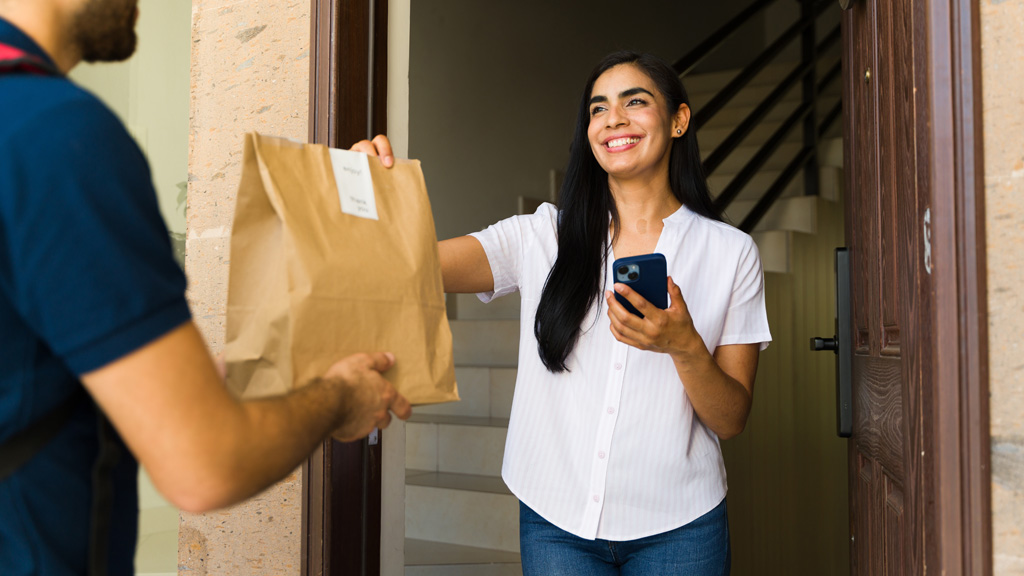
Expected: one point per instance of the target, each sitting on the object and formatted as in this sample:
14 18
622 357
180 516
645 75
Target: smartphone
647 275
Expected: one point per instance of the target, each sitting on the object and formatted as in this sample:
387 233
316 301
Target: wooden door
881 209
919 452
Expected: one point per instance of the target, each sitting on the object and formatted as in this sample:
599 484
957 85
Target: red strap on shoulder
14 60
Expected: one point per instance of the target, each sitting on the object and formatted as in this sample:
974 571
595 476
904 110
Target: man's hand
203 448
368 399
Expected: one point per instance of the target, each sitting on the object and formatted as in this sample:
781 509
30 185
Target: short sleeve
505 244
91 267
746 321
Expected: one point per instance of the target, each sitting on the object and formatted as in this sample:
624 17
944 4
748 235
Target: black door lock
840 346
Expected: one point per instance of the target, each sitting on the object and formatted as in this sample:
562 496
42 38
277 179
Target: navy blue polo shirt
87 276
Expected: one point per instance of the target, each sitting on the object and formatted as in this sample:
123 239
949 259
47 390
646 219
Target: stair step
492 343
710 138
752 95
739 157
465 517
474 393
704 82
485 422
731 116
426 558
471 482
457 444
503 386
715 81
486 393
796 214
756 187
469 307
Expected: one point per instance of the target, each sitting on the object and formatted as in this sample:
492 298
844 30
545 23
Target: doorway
490 116
946 39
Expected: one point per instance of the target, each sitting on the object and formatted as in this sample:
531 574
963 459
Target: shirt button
618 366
597 498
611 410
601 454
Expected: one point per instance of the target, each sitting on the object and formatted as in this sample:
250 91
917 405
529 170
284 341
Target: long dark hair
585 201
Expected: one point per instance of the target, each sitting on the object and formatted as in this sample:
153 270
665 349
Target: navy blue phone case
651 279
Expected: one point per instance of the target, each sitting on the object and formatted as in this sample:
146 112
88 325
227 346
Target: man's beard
104 30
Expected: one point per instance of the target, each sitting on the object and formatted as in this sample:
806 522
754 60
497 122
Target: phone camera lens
623 270
633 275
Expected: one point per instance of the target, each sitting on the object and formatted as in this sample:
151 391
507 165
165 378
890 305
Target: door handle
842 346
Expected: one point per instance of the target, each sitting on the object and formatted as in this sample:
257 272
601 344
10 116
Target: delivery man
93 312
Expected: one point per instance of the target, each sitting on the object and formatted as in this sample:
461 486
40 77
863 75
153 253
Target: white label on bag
355 188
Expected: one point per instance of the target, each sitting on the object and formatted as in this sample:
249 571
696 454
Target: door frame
958 526
950 364
341 482
348 54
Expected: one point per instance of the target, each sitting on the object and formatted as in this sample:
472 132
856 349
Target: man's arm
203 448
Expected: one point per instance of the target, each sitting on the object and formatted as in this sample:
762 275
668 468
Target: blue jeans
700 548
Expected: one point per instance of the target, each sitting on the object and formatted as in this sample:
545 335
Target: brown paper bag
310 284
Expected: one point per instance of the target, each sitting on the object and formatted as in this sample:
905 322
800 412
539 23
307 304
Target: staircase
460 517
461 520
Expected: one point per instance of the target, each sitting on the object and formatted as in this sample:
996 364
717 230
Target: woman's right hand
380 146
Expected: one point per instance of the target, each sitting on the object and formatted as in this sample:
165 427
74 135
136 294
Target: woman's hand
668 331
720 387
380 146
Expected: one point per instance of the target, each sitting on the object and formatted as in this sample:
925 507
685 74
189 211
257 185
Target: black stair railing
805 115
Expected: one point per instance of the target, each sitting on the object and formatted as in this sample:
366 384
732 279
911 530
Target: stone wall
1003 100
250 72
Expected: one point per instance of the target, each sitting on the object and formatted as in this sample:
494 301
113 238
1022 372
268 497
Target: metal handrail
750 169
779 185
754 68
732 141
687 63
776 189
806 157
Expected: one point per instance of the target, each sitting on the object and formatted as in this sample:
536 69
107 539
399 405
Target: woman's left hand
668 331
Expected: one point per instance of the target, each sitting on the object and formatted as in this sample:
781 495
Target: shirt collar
680 217
13 36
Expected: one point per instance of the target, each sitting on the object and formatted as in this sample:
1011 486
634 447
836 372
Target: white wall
392 537
494 88
150 93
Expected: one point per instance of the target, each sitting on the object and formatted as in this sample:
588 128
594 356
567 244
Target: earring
679 131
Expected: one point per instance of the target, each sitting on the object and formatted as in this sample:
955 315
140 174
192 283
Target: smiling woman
634 97
613 439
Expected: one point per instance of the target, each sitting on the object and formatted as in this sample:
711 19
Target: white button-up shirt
612 449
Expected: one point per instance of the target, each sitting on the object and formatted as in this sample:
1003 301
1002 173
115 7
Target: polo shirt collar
13 36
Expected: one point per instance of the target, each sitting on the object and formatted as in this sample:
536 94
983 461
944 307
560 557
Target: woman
613 446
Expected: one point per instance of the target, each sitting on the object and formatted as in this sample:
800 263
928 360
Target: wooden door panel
918 454
882 202
878 412
895 529
886 117
862 169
